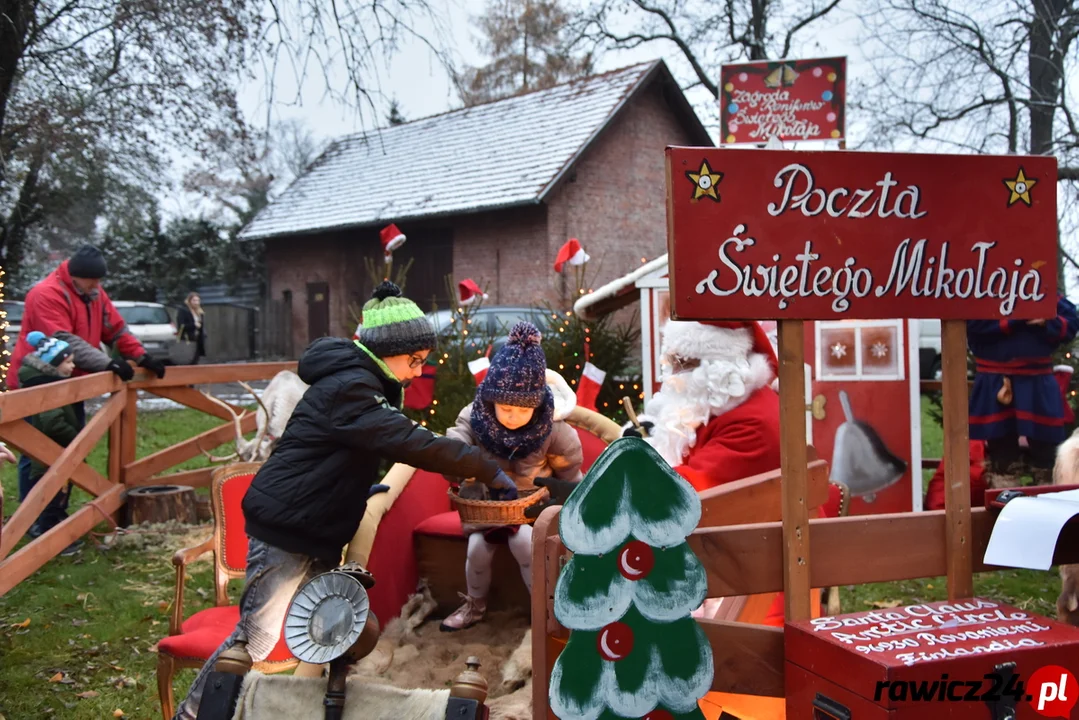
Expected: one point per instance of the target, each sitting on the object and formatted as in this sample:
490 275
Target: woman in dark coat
189 319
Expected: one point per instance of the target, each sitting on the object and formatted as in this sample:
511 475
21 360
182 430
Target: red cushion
232 495
226 616
447 524
204 632
591 446
392 561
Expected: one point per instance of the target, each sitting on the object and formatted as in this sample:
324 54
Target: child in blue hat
52 360
515 421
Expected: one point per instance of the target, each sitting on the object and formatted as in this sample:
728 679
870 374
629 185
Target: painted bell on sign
860 459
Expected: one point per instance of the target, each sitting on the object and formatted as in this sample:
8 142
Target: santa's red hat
392 238
469 292
718 340
571 253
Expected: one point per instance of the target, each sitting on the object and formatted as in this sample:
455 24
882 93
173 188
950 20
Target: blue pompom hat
518 372
51 350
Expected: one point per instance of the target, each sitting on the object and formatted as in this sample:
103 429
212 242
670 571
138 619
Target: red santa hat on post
469 292
571 253
392 238
718 340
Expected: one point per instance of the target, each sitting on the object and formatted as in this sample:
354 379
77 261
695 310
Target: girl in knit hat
513 420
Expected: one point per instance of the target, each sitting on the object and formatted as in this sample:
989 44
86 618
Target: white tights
481 553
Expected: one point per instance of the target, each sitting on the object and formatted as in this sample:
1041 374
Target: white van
151 324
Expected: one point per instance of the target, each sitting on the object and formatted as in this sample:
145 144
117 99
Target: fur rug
271 697
414 653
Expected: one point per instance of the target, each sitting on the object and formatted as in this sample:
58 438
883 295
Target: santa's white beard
691 398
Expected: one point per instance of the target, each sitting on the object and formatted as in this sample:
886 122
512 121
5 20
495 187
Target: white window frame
858 326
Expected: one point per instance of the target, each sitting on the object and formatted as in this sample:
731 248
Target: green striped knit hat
394 325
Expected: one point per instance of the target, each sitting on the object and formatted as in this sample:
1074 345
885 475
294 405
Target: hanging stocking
478 368
589 385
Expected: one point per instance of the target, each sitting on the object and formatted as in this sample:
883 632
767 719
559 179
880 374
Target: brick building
489 192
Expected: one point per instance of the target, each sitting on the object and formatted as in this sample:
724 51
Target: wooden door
871 364
318 310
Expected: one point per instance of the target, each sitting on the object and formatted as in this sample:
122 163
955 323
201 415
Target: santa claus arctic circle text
909 267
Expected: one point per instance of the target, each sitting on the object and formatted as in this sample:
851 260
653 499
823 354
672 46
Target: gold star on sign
1020 188
704 182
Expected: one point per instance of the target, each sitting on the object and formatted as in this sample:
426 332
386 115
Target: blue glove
376 489
503 487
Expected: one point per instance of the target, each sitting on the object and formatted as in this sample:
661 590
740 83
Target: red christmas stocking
588 386
478 368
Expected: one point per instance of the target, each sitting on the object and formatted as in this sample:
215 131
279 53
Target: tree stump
161 503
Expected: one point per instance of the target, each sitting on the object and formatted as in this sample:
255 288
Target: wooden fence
230 332
117 418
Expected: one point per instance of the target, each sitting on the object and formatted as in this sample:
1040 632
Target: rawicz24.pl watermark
1052 690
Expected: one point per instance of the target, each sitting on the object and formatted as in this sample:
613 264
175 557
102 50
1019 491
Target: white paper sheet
1026 531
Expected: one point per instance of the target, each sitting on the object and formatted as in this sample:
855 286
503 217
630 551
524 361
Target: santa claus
716 417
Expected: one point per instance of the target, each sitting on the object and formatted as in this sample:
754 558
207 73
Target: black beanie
87 262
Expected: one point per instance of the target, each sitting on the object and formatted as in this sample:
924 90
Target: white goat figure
278 401
1066 472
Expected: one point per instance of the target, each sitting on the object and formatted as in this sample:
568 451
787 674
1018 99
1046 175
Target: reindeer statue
1066 472
278 401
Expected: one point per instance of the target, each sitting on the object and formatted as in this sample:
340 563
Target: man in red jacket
70 304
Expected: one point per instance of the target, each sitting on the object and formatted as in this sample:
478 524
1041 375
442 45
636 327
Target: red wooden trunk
836 667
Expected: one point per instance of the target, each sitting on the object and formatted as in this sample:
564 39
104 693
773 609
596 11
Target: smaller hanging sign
787 99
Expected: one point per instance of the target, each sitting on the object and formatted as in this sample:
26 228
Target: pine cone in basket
472 490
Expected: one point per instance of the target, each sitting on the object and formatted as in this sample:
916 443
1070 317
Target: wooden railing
118 418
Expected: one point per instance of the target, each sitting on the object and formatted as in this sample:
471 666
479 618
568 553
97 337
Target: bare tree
974 77
707 35
529 47
94 96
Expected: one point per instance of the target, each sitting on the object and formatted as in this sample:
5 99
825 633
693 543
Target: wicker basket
497 512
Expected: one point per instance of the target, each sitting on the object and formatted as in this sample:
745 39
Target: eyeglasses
680 364
415 361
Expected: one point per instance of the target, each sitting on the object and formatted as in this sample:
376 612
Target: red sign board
789 99
829 235
960 640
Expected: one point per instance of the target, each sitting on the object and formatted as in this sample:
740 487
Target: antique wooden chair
191 641
751 500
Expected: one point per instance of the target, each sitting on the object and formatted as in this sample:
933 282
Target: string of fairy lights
5 354
463 316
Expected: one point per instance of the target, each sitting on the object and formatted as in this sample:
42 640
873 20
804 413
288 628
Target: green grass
94 618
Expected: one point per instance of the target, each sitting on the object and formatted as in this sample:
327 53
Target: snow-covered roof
617 293
501 154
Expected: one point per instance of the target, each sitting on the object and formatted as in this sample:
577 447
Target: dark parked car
490 325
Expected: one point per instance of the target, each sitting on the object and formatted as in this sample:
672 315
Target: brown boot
465 616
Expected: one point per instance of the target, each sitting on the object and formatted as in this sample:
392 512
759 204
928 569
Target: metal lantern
327 616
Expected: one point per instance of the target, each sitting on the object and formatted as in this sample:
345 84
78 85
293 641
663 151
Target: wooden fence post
792 439
958 540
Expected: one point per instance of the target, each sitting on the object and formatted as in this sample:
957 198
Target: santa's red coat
740 443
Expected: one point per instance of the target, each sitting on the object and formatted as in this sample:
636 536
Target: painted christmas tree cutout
627 593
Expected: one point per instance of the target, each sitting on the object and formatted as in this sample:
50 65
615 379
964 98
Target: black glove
559 491
154 366
634 432
121 368
376 489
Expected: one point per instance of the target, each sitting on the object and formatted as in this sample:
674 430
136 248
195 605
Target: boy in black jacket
306 502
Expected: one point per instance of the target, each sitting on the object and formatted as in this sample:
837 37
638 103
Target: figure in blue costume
1015 393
